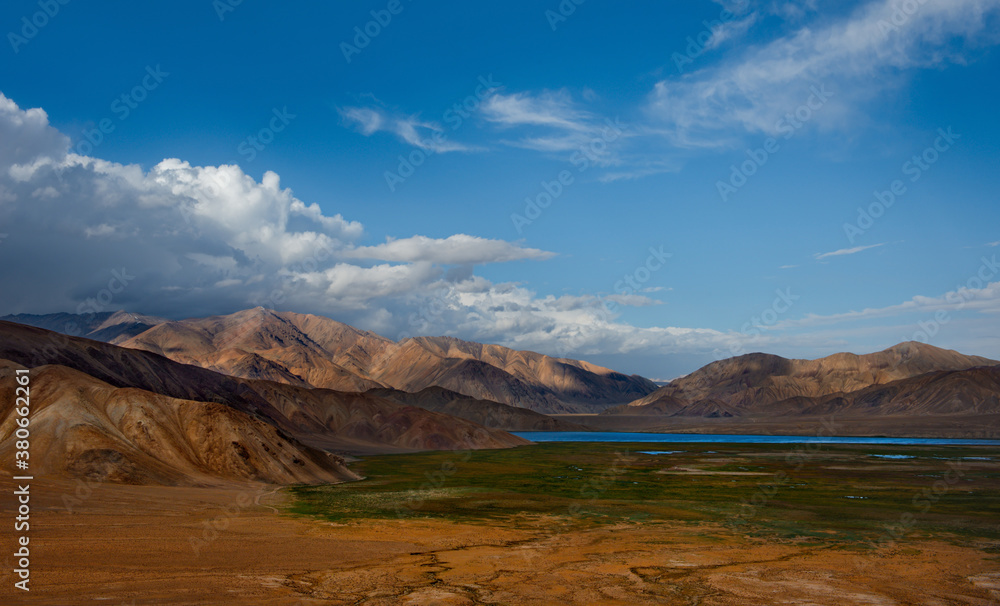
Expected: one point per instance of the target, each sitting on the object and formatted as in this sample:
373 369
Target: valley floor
964 426
112 544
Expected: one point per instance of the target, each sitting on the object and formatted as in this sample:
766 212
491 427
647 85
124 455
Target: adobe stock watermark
455 116
278 295
220 523
914 168
697 44
786 126
631 283
596 486
34 23
249 147
764 492
562 12
430 310
435 481
102 302
922 502
583 158
223 7
122 107
83 491
364 34
902 12
928 329
754 328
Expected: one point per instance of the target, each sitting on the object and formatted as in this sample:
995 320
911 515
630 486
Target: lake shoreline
693 438
977 426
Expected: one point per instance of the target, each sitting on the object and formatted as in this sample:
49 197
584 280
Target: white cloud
204 240
552 122
856 57
730 30
985 299
98 231
843 251
637 168
26 135
369 121
197 240
424 134
551 109
633 300
459 249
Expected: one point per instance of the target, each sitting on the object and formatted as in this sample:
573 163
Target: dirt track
148 545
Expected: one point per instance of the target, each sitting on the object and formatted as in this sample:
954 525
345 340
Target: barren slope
485 412
326 353
83 427
319 417
756 382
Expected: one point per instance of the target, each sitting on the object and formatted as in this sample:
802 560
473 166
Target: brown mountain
115 388
325 353
84 427
252 344
484 412
973 391
758 383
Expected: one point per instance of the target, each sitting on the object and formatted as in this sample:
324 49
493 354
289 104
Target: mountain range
282 397
308 350
112 413
909 377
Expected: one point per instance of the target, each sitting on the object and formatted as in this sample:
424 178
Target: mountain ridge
315 422
758 382
322 352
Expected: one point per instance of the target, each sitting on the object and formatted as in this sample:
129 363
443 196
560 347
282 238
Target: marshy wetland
854 496
576 523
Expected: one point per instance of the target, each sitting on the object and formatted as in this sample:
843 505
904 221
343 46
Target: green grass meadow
858 494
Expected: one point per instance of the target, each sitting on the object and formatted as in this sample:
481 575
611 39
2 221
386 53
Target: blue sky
737 140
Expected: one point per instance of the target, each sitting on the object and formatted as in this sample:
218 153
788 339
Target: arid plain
597 543
279 458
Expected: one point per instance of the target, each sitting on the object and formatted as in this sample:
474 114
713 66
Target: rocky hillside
133 415
763 383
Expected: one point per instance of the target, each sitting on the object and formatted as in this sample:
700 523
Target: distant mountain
767 384
110 327
484 412
109 412
308 350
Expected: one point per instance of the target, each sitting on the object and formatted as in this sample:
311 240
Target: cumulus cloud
567 325
84 234
193 239
183 240
26 135
460 249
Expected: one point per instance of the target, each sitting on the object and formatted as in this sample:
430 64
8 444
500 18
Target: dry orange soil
154 545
